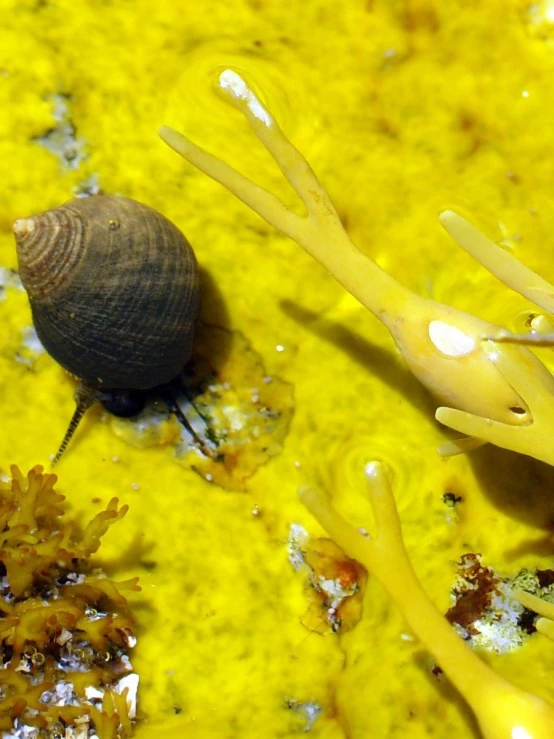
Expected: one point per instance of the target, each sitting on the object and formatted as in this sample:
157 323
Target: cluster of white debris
500 626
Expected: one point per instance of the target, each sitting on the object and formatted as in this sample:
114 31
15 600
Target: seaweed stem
503 710
446 349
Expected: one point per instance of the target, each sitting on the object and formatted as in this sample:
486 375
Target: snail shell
113 288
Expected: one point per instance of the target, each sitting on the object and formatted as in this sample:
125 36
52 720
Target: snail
114 293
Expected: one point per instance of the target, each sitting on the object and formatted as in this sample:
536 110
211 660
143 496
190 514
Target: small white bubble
280 348
135 486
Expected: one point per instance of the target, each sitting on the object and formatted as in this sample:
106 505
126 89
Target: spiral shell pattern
47 249
113 287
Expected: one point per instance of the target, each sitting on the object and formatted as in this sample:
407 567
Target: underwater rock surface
404 110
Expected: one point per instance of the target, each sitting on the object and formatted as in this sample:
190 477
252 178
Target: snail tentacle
85 396
173 406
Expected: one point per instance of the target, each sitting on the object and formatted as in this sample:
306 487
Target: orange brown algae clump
474 594
336 582
65 631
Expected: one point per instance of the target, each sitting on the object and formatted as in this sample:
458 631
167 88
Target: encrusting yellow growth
545 624
503 710
447 350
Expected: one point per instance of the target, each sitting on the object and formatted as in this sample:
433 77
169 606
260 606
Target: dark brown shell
113 287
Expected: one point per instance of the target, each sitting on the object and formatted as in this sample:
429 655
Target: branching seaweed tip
429 335
234 86
373 469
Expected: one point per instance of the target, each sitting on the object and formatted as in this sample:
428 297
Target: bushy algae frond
448 350
65 632
503 710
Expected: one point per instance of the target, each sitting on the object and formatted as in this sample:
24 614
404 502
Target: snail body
114 292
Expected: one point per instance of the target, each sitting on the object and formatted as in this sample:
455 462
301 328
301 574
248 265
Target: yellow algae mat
251 621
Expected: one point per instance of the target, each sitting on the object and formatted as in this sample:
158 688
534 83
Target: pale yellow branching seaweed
537 387
503 710
442 346
532 381
508 270
545 609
